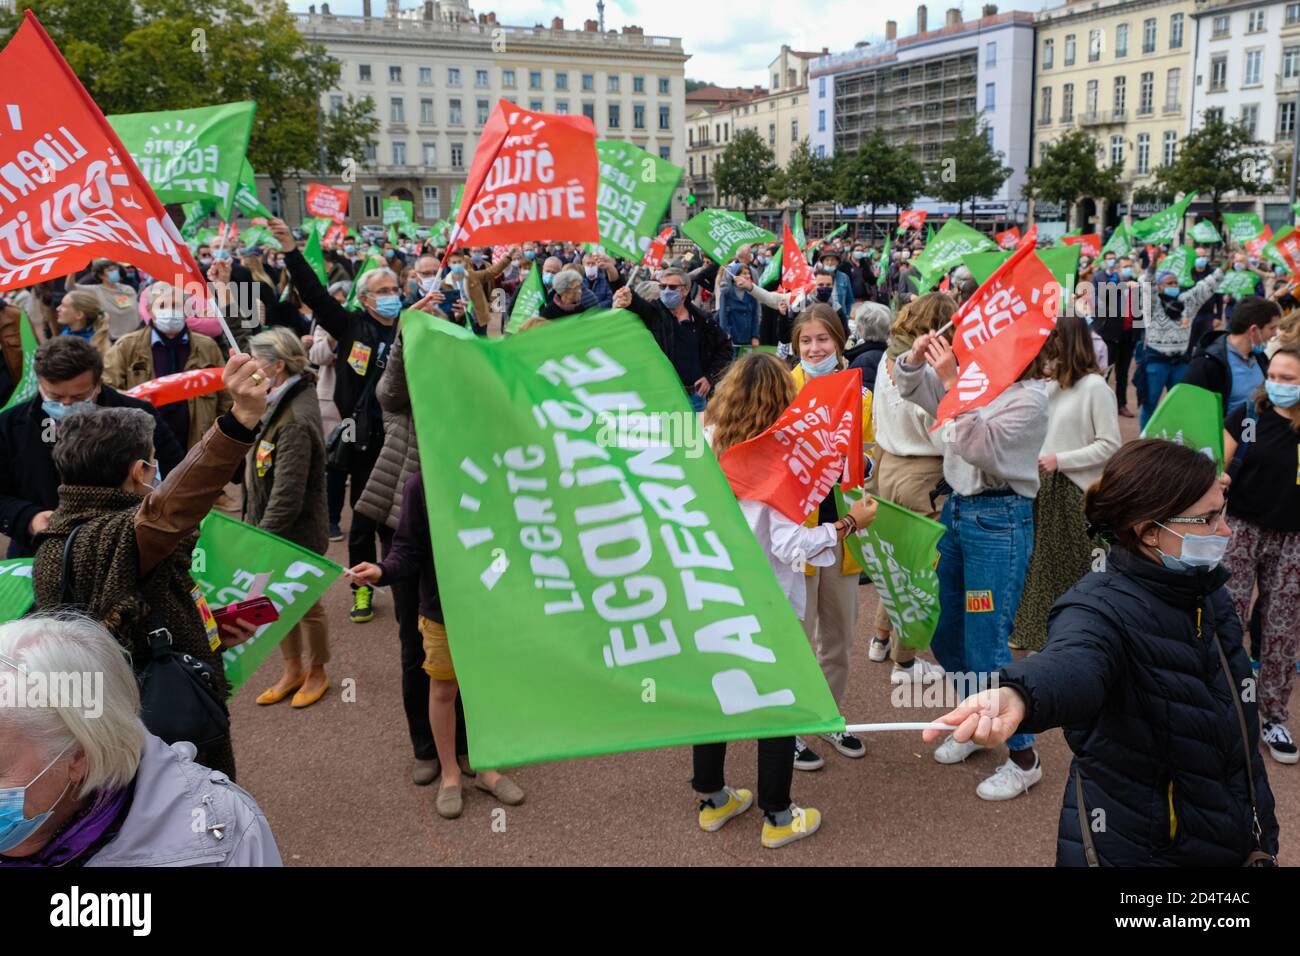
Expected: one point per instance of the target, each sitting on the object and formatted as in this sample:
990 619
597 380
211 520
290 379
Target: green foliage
743 170
878 174
807 178
970 168
1215 160
1069 171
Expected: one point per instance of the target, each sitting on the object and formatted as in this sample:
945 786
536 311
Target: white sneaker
1279 742
1010 781
921 670
952 752
878 651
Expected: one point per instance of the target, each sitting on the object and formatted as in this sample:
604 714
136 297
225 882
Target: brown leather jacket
479 281
11 341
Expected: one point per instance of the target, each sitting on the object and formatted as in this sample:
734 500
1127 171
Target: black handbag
339 446
179 699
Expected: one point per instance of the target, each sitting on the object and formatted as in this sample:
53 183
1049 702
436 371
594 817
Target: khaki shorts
437 655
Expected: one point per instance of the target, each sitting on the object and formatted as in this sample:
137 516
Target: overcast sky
730 44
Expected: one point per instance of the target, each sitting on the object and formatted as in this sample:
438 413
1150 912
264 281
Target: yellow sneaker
712 818
804 822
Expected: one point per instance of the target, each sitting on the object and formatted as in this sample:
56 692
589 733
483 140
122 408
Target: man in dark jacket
68 371
693 341
568 296
1233 363
364 337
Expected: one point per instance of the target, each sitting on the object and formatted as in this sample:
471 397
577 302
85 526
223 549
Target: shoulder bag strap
1085 832
66 595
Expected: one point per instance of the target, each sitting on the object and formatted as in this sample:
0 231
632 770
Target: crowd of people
1137 654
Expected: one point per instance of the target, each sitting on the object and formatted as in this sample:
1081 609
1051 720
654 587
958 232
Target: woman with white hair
83 783
871 322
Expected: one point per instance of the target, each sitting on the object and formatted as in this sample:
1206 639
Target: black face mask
824 293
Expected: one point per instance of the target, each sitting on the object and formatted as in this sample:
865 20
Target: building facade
436 72
1247 67
1122 70
916 88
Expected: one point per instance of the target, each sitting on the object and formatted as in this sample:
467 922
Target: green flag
1242 226
397 210
601 588
16 594
1061 261
636 189
392 234
1270 253
1119 242
316 257
1295 208
1165 225
231 557
899 551
246 201
929 233
796 230
529 301
317 224
884 256
772 273
946 249
26 386
195 213
720 233
370 263
1204 232
185 154
1179 262
1190 416
1238 284
261 236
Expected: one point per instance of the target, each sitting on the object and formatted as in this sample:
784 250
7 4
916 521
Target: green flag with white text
720 233
246 201
1119 242
636 189
1204 232
601 588
397 210
233 561
1165 225
1191 416
16 594
185 154
1242 226
800 239
946 249
529 300
1238 284
26 386
1179 262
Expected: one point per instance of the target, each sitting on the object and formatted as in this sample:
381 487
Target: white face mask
168 321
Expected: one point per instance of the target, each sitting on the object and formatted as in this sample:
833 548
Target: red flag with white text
1255 247
815 443
179 387
1091 244
1287 244
655 254
1008 238
796 275
327 202
533 174
1030 237
69 190
911 219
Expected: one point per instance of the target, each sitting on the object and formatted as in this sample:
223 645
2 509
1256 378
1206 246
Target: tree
878 174
744 168
1215 160
144 55
970 169
805 179
1069 172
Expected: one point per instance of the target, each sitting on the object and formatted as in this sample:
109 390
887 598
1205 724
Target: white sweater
1082 428
902 428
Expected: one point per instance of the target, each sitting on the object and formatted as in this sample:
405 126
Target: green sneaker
361 610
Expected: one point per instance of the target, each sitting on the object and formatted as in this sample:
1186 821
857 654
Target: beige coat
130 362
400 457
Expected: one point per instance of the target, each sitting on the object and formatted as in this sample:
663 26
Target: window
1121 94
776 81
562 107
1213 114
638 116
1117 150
1094 46
453 113
1144 154
394 74
704 165
794 131
1090 102
771 134
373 204
1250 75
399 153
821 88
457 155
481 79
588 82
690 164
1219 27
481 110
430 152
1291 62
1255 21
1176 31
1067 103
370 153
1219 73
1069 50
534 79
1146 94
363 72
664 88
821 148
821 121
1045 109
990 96
665 152
432 208
1121 40
1149 35
589 110
1173 84
638 84
611 83
614 118
1286 119
508 79
990 59
396 111
561 81
426 76
1250 118
336 105
1292 14
665 117
426 112
453 76
1042 151
1048 51
1171 147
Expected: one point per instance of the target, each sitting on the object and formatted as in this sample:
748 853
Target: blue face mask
1281 394
221 254
530 255
1202 262
349 248
389 253
827 365
734 268
1199 551
548 278
114 275
15 828
58 411
458 269
1126 272
671 298
1170 291
389 306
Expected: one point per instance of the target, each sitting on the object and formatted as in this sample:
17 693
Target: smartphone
256 611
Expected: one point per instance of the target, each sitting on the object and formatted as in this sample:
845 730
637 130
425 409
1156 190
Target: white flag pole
904 725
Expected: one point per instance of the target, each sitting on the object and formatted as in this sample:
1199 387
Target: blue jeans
983 561
1162 372
697 401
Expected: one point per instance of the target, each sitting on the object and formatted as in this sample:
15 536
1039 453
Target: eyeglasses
387 290
1212 520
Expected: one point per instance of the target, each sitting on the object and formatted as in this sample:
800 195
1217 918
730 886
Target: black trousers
363 530
1121 355
415 682
336 489
775 770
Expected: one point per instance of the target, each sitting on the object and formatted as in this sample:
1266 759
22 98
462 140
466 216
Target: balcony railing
1172 109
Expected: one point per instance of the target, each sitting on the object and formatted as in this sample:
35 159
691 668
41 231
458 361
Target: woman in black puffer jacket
1132 672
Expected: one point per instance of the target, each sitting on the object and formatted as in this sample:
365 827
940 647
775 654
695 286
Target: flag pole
903 725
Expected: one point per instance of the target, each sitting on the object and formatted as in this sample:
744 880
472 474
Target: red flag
1008 238
532 173
796 276
326 202
911 219
943 286
335 234
655 254
1091 244
1030 237
1287 245
1256 246
69 190
179 387
816 442
1000 330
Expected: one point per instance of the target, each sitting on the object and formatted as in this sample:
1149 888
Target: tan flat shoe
449 802
272 695
425 772
305 699
505 790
